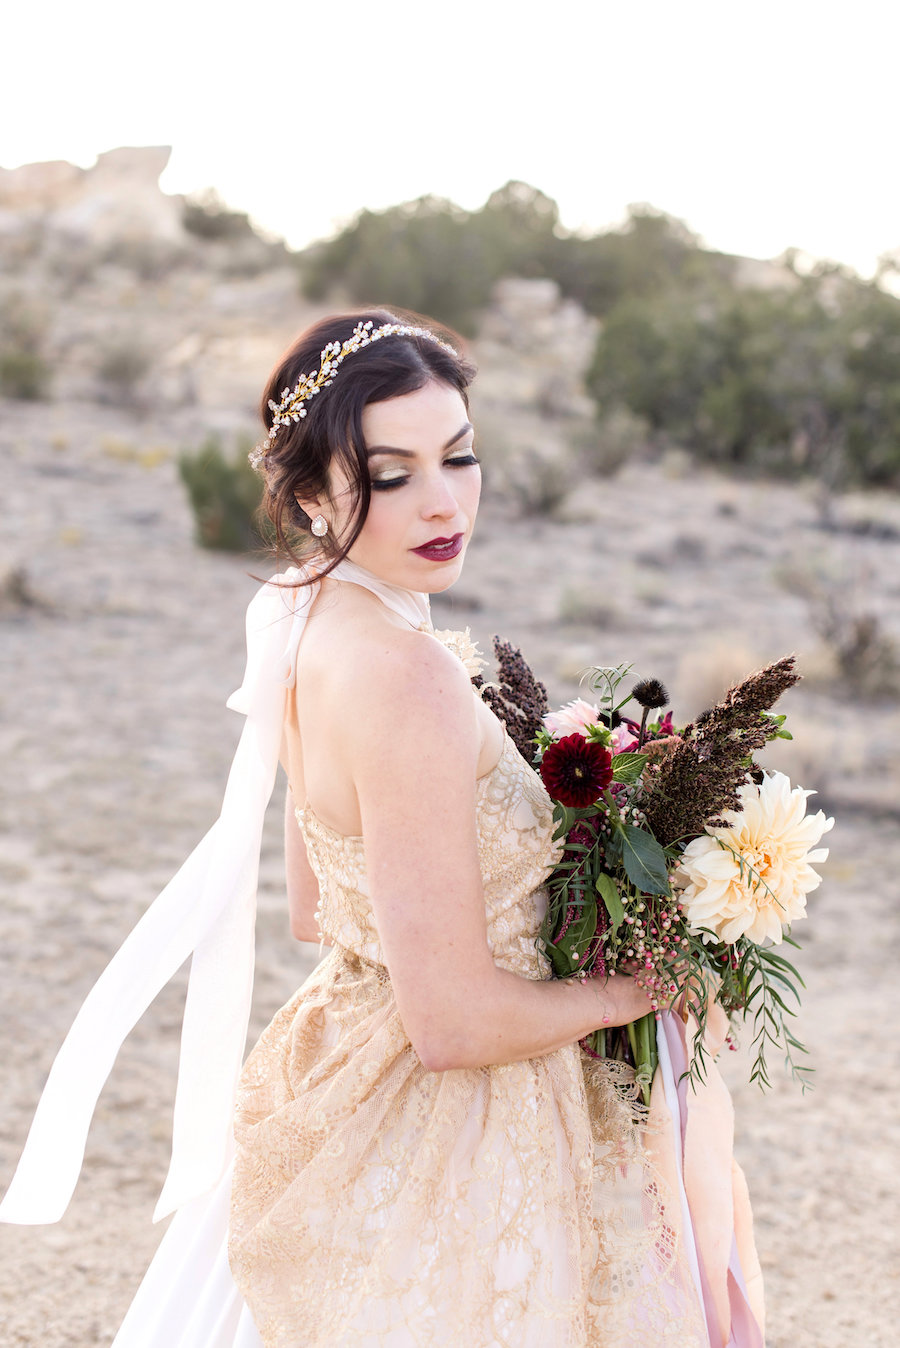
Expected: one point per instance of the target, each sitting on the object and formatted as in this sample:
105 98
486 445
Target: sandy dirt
115 745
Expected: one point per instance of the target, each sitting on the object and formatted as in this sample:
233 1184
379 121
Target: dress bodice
514 824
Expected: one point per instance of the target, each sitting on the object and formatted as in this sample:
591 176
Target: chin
434 578
439 583
411 572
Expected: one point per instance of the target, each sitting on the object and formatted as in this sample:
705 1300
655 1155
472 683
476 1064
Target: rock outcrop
118 198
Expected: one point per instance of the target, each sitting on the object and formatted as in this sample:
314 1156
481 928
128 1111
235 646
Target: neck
414 605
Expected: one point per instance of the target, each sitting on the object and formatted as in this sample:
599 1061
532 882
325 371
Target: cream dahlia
462 646
752 879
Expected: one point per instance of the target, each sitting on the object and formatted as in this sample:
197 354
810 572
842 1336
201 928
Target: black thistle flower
650 693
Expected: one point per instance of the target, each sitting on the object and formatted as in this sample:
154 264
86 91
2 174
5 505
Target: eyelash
458 462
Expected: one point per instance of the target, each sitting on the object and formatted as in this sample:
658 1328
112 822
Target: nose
439 499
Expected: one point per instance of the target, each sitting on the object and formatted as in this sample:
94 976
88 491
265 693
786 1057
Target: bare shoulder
414 699
389 669
358 654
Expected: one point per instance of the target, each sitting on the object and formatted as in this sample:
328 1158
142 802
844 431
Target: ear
311 505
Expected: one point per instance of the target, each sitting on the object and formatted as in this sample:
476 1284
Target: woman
421 1158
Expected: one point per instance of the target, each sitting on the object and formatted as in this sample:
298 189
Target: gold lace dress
375 1203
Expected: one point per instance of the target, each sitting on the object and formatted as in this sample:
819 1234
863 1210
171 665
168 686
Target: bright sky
762 123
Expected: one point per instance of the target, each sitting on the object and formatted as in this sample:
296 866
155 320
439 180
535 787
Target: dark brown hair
299 458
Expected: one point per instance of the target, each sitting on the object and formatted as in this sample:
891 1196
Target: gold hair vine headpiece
291 406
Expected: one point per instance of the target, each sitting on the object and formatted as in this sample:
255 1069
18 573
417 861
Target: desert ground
120 641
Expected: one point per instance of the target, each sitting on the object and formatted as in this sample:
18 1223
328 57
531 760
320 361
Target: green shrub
420 256
541 482
207 217
225 494
121 368
798 380
607 444
650 255
431 256
23 374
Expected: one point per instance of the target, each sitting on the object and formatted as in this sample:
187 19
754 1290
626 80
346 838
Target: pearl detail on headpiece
291 406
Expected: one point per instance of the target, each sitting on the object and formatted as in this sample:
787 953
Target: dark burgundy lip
436 542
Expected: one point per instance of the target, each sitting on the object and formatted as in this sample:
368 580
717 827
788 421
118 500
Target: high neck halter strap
206 911
279 611
410 604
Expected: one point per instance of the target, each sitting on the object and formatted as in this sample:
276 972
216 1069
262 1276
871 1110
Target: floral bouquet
683 863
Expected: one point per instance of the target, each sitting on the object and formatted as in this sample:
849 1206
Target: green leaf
777 997
613 848
644 860
612 901
775 728
559 960
565 954
605 680
565 818
628 767
772 957
783 980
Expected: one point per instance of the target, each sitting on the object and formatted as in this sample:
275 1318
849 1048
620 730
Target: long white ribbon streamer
208 909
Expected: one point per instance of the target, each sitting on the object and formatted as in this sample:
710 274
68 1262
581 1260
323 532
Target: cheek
385 511
471 494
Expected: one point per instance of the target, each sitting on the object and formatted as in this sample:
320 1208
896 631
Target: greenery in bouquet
683 863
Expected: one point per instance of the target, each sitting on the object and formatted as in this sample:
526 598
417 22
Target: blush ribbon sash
691 1137
208 910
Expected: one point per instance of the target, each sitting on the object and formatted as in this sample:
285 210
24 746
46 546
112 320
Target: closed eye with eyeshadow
397 476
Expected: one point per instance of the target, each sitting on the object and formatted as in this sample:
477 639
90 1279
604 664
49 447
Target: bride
415 1152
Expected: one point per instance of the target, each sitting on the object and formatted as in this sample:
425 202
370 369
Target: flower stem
614 816
644 1049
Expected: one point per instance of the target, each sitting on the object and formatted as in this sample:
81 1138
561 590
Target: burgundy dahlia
576 771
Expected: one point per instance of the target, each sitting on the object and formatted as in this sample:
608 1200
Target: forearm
307 931
501 1017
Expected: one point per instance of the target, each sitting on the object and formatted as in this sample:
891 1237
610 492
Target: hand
623 999
665 992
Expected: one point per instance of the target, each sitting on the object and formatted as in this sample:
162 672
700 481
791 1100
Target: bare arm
414 771
302 886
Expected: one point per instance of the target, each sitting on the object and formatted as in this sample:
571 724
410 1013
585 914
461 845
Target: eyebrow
411 453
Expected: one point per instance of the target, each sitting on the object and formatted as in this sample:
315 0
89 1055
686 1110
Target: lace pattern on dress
379 1205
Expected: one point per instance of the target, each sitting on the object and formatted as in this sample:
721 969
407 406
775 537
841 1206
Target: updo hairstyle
300 456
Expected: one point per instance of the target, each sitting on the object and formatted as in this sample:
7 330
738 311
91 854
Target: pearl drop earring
319 526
